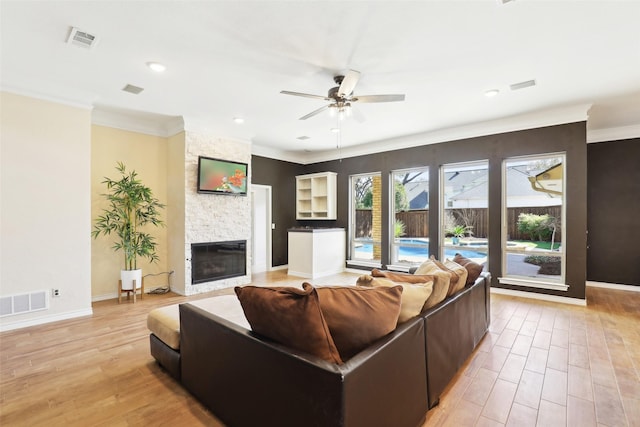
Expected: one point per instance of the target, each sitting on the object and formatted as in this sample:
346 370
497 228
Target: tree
401 200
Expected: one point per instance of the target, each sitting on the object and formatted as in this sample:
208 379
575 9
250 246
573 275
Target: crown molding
146 123
536 119
272 153
70 102
613 134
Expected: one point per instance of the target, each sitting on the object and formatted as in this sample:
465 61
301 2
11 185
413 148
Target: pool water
423 251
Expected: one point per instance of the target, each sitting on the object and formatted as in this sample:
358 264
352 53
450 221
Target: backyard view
532 237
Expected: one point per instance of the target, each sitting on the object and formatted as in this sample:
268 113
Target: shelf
316 196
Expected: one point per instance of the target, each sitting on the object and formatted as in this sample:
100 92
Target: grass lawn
537 245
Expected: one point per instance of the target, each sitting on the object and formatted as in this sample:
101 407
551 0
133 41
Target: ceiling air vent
302 138
132 89
81 38
523 85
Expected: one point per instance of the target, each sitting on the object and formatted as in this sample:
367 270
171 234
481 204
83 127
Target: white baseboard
279 267
114 295
617 286
544 297
45 319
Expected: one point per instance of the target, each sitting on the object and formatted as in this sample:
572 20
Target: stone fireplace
196 220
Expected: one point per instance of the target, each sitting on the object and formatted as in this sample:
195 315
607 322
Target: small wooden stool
134 291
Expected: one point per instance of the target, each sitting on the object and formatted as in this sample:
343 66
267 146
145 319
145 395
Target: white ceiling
232 58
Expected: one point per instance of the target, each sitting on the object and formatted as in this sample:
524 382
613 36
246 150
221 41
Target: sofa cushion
473 268
290 316
164 322
359 316
413 295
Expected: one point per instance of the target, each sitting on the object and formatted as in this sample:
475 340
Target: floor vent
23 303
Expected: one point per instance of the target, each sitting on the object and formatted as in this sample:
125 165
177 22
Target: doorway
261 228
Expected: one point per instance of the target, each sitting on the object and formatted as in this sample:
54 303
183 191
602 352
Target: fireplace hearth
218 260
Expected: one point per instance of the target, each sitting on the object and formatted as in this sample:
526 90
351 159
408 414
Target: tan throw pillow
413 295
427 267
441 281
473 268
402 277
290 316
358 316
454 285
460 272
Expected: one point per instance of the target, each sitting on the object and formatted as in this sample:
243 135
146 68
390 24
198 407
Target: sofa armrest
247 380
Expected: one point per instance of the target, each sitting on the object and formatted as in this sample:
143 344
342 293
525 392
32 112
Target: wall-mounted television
221 176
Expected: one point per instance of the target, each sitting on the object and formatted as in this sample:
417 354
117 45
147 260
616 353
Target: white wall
45 206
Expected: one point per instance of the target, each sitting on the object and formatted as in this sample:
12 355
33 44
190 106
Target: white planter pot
128 276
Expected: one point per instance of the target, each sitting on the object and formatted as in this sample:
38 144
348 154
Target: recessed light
238 120
335 130
491 92
156 66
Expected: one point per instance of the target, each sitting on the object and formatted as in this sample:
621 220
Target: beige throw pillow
414 295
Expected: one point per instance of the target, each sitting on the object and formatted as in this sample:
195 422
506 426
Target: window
464 219
533 222
409 226
365 232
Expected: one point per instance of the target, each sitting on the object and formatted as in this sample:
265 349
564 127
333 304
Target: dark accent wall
568 138
280 175
613 254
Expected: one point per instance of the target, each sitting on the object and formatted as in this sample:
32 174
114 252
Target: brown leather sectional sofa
247 380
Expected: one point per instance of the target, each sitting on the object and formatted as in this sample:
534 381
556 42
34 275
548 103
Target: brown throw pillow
473 268
413 295
290 316
358 316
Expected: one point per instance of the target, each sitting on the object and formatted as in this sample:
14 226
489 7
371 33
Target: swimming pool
422 251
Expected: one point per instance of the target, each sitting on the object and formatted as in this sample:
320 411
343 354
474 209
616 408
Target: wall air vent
81 38
303 138
132 89
23 303
523 85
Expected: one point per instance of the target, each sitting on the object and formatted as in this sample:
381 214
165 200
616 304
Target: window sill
533 283
359 263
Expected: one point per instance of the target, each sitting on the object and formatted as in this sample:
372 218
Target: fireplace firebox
218 260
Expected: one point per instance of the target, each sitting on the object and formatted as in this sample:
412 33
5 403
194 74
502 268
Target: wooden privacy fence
416 222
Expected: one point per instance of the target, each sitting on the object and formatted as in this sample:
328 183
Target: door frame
269 224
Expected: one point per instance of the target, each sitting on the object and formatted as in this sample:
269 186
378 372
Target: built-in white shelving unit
316 196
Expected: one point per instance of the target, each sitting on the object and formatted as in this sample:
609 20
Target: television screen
221 176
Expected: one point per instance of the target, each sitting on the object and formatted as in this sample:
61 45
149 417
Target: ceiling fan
341 97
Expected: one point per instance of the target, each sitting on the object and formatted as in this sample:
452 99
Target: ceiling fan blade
378 98
315 112
349 83
306 95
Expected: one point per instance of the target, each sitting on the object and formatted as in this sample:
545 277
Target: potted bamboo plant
131 208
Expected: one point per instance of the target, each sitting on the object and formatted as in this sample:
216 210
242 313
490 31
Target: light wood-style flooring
541 363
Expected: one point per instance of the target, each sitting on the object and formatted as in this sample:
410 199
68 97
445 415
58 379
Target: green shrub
536 227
